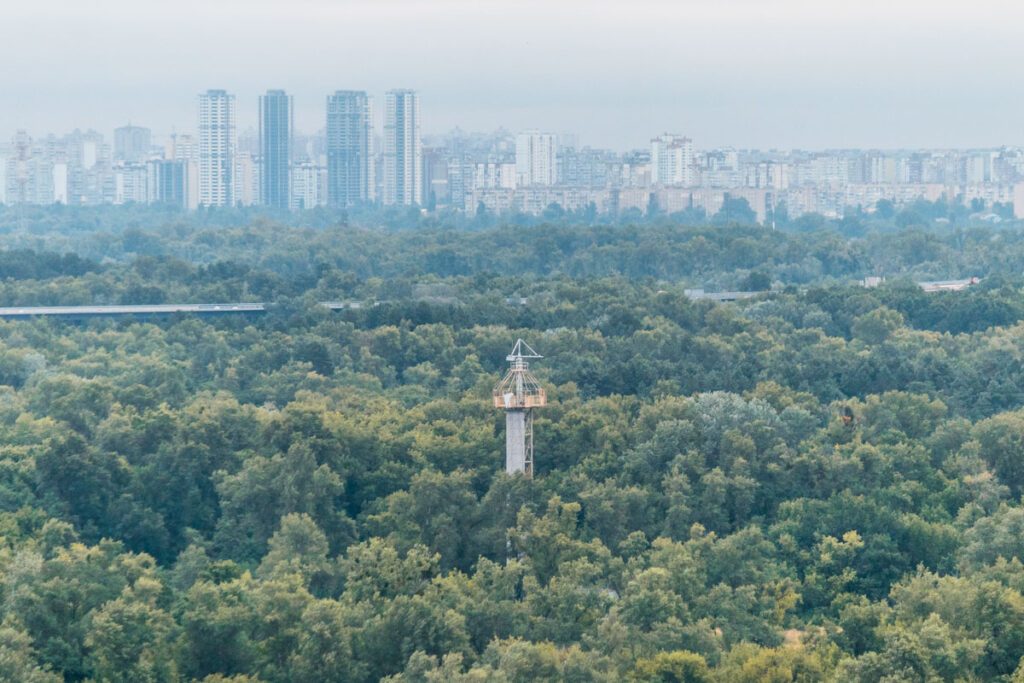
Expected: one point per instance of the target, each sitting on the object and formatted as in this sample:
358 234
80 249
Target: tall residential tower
216 148
403 152
131 143
672 160
536 158
276 126
349 155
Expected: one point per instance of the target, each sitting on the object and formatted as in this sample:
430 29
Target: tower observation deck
518 393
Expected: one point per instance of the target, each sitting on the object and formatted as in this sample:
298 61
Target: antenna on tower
518 393
522 350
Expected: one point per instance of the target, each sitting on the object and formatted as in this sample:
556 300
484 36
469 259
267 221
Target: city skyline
530 171
246 115
311 121
784 74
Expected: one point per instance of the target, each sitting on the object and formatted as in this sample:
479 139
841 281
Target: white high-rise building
247 180
672 160
491 175
306 186
131 183
181 147
536 158
403 151
60 182
217 142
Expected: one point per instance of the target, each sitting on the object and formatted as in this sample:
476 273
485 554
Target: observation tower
518 393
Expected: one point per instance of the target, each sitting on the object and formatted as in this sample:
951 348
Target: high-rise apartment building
672 160
536 158
436 191
131 143
247 180
276 130
86 177
216 148
306 192
403 153
585 167
173 182
181 147
29 172
131 183
59 173
349 155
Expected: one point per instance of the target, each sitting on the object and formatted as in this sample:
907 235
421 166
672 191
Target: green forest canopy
821 483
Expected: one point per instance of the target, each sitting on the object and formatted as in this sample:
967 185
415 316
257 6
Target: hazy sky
750 73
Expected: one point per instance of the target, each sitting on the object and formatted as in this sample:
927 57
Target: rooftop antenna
518 393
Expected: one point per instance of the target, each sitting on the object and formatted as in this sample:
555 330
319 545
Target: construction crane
518 393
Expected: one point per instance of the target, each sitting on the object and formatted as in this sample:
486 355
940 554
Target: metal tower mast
518 393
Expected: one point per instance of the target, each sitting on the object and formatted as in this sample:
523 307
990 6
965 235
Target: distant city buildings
350 162
403 152
350 168
217 148
132 144
672 161
246 180
275 133
536 159
306 186
173 182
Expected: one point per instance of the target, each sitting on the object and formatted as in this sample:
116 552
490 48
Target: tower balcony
510 400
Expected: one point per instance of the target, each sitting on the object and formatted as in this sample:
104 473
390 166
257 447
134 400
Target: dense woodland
822 483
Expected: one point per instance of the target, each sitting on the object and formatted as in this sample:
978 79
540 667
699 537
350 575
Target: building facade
672 160
275 133
536 159
132 143
217 140
173 182
349 155
403 151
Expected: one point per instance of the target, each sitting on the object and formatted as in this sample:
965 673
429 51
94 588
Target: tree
672 667
375 569
298 547
55 598
734 211
519 661
17 660
324 648
756 281
266 489
877 325
217 622
1001 440
82 481
438 511
553 539
885 209
752 664
131 639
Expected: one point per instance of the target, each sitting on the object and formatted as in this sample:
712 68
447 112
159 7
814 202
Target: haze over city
784 74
